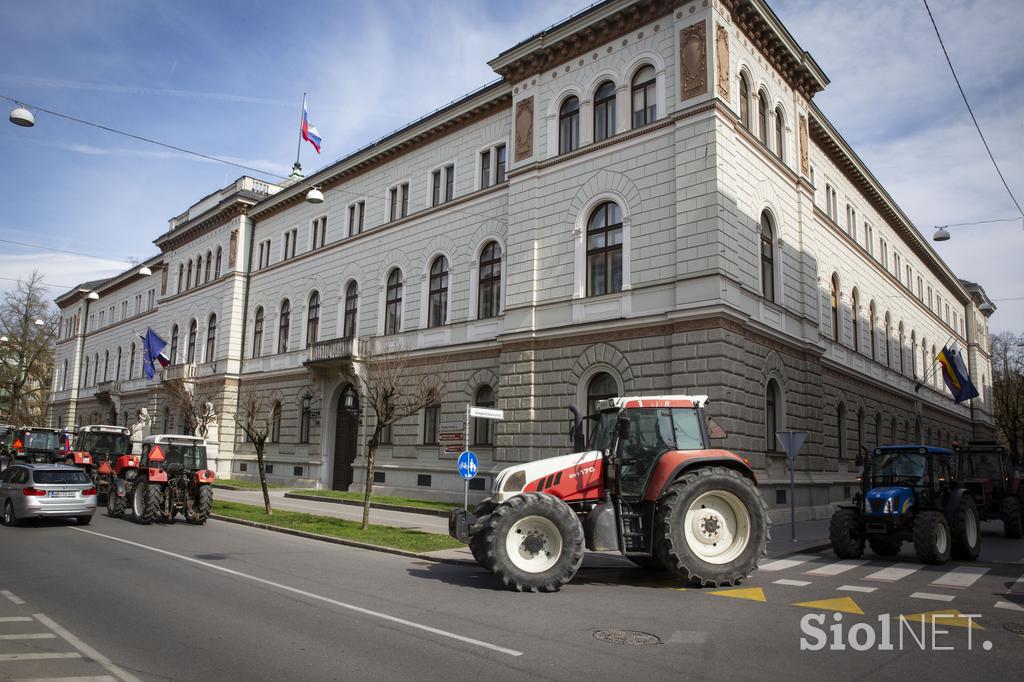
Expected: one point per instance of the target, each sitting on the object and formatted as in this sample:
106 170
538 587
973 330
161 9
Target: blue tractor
909 493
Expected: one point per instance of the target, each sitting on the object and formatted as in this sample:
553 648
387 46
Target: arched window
604 111
313 319
744 101
211 338
913 355
762 117
835 307
871 322
174 344
216 268
601 387
924 359
117 367
569 125
393 303
284 326
604 250
131 362
84 380
190 349
437 313
490 281
199 271
96 369
855 318
767 257
206 274
900 346
64 377
275 423
841 429
780 127
188 277
257 333
645 108
181 276
106 364
772 417
886 333
483 429
936 376
351 309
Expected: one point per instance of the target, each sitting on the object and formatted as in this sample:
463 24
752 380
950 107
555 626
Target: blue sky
226 78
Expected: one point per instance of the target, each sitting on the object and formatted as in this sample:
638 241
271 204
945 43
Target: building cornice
217 216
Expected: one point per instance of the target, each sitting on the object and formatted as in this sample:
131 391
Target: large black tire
202 505
115 504
1013 522
155 502
842 533
966 529
651 563
476 546
884 546
546 537
729 499
932 537
139 503
10 519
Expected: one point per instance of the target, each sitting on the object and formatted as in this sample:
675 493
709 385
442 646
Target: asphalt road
230 602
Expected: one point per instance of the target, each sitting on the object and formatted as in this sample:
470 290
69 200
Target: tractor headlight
515 482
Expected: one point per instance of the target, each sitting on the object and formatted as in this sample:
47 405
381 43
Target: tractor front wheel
711 527
1013 523
532 543
932 537
966 544
842 533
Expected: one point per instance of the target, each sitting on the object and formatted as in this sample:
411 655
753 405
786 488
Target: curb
342 541
373 505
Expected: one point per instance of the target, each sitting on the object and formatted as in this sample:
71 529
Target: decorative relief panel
804 163
524 129
693 56
722 61
233 248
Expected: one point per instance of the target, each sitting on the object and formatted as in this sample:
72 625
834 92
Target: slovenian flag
955 374
309 132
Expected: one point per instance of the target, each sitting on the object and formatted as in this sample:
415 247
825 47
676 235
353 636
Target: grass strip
383 499
386 536
248 485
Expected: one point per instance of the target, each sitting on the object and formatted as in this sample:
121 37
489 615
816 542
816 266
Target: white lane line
14 599
311 595
86 650
15 619
837 567
1010 606
894 573
932 596
783 564
793 583
38 657
961 576
1017 587
857 588
32 635
96 678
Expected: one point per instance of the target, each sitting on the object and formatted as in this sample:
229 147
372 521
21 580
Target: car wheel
9 518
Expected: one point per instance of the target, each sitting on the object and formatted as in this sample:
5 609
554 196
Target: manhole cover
1016 627
630 637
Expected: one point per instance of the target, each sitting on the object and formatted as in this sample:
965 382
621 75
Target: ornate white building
648 201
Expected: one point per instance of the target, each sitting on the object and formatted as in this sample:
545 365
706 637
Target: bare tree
391 393
1007 352
28 328
195 405
254 420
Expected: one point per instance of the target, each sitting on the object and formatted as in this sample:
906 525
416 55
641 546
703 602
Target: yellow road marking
843 604
751 593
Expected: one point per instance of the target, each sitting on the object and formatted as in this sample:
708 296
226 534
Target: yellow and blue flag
955 374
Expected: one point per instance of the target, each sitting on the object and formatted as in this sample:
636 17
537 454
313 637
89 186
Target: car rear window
59 476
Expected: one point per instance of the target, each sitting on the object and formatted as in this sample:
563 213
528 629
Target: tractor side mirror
715 430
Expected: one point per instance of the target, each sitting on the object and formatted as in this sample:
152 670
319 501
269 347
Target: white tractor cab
170 476
647 483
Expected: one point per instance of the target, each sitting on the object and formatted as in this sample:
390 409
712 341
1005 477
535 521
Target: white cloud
60 271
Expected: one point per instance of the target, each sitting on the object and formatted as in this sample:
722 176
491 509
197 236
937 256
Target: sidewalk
811 535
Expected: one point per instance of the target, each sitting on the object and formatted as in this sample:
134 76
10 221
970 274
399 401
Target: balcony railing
108 388
334 350
183 372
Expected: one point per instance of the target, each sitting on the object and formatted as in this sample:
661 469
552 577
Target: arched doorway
346 431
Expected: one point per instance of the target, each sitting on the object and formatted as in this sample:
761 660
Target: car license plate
62 493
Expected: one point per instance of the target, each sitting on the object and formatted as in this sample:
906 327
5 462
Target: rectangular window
435 188
270 467
362 214
290 237
385 435
431 418
896 260
138 304
124 308
885 253
264 260
423 480
404 191
296 471
485 169
379 476
319 236
869 238
351 220
500 164
355 218
920 291
449 183
910 278
393 204
929 298
946 317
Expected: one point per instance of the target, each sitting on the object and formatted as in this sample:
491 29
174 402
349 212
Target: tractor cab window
986 466
943 469
602 430
188 455
42 440
102 445
905 467
652 433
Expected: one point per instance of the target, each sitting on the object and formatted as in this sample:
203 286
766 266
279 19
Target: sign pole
792 500
465 481
791 442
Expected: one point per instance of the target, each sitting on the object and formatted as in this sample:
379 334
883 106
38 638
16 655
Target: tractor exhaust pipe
576 430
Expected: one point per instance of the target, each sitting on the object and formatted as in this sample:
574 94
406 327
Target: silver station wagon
37 490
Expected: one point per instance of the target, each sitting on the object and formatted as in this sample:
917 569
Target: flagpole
298 148
930 372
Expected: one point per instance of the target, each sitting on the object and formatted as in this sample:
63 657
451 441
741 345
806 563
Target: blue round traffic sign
468 465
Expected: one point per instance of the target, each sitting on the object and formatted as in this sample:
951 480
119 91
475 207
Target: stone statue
141 428
207 427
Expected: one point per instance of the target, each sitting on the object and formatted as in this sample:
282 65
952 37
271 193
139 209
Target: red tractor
170 477
96 449
988 472
647 485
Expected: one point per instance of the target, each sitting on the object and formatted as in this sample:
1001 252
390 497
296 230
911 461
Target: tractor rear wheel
115 504
711 527
1013 523
932 537
139 503
201 505
885 547
155 502
842 533
533 542
966 531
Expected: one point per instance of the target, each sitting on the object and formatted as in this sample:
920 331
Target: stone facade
703 189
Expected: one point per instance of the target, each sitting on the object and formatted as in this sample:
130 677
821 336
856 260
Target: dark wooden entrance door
345 438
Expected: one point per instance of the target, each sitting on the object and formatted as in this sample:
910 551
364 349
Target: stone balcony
185 371
334 352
